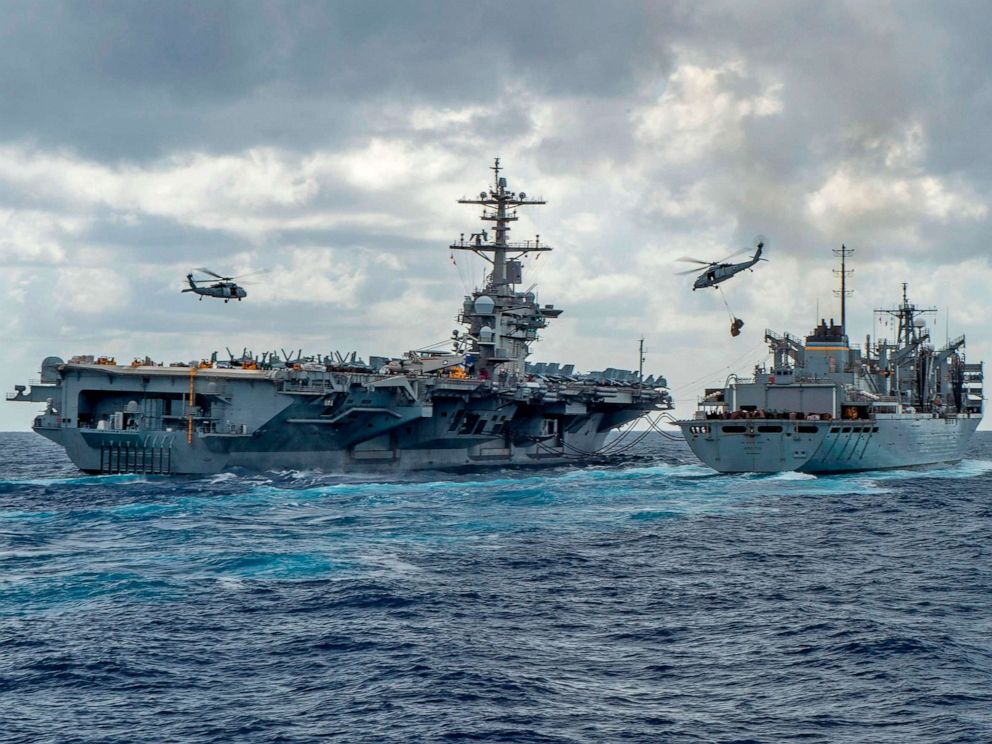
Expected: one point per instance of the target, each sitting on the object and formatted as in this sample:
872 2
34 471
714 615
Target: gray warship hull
481 404
771 445
174 420
827 406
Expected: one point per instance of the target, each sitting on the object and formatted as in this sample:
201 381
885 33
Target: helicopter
225 288
720 271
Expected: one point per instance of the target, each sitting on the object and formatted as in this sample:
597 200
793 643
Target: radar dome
484 305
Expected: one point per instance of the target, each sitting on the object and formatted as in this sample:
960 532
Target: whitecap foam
81 480
792 475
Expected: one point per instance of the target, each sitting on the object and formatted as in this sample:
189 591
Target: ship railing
318 388
524 245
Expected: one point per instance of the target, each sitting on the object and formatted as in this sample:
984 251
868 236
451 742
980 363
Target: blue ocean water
645 599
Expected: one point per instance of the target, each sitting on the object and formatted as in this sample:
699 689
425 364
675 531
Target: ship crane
785 347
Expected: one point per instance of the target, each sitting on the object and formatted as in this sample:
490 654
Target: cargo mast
844 292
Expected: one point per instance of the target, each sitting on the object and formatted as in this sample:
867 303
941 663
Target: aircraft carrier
478 405
827 406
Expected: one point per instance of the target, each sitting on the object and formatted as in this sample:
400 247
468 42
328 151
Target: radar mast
499 206
502 321
910 326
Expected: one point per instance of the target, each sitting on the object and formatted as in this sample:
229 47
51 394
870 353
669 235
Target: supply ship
826 406
479 404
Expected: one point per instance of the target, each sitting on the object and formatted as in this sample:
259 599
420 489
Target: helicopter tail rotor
760 244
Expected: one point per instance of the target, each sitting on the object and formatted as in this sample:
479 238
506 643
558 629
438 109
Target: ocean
644 599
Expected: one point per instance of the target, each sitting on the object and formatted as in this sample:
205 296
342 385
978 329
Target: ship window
768 429
874 428
480 427
834 429
846 430
734 429
456 419
498 429
806 429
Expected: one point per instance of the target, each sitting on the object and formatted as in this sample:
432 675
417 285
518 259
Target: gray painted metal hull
175 420
123 453
477 405
896 441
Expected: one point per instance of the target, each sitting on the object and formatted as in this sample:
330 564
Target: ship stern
753 445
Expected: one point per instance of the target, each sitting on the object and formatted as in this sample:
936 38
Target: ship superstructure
825 405
477 405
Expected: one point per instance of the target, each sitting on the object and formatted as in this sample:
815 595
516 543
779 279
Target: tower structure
844 292
910 325
502 321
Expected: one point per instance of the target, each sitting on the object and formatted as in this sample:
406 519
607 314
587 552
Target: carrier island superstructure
478 405
826 406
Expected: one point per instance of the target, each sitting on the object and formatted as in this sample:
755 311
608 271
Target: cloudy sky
327 142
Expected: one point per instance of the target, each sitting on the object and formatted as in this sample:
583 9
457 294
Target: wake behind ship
480 405
826 406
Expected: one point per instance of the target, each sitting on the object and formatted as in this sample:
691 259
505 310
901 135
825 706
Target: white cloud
36 236
312 275
92 291
703 110
853 201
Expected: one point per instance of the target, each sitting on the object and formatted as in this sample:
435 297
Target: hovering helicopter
720 271
225 288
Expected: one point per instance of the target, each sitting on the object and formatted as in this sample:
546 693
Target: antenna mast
906 314
499 206
844 292
502 320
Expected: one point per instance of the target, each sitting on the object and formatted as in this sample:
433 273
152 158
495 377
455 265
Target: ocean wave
650 599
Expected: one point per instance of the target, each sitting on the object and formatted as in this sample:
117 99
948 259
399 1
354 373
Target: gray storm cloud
327 143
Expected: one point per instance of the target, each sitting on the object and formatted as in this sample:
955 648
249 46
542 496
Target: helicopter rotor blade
683 273
696 261
212 273
734 255
250 273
